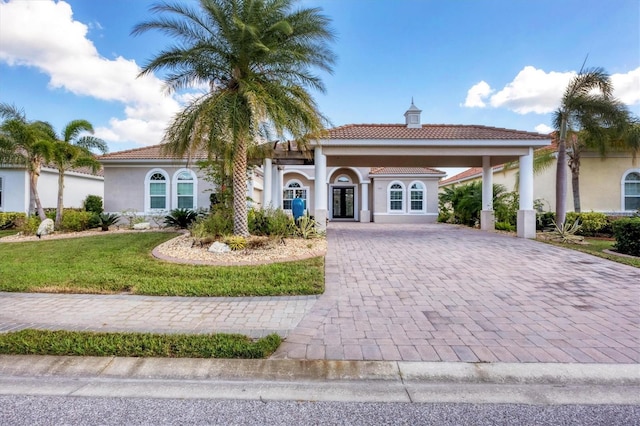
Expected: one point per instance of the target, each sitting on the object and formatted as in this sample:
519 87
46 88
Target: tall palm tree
27 143
256 57
587 95
612 131
73 150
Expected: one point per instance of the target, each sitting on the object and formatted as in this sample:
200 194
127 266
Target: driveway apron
445 293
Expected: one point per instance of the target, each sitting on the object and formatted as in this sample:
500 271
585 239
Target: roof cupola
412 117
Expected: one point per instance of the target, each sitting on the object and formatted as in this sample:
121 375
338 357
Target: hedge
10 220
627 234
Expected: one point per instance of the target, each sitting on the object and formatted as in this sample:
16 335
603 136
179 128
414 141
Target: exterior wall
380 201
125 188
16 193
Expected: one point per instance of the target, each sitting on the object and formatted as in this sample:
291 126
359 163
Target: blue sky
500 63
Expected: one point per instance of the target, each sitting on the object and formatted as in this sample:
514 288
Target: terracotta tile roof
405 171
153 152
429 131
463 175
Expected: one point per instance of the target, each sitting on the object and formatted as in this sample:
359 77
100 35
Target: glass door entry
343 202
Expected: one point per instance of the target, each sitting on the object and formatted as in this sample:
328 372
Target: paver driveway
438 292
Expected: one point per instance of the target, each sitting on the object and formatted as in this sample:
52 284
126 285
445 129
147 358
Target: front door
343 202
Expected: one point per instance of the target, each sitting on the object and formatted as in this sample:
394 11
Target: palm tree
615 130
73 151
587 101
27 143
256 58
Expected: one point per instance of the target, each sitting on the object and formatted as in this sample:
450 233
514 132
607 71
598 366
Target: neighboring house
15 194
147 181
609 185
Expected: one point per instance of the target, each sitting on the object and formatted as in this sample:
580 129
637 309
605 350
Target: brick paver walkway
442 293
253 316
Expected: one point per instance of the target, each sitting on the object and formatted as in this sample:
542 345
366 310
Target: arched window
631 190
416 197
343 179
185 189
294 189
396 197
156 189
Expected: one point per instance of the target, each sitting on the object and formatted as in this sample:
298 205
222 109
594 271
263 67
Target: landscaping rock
219 247
45 228
142 226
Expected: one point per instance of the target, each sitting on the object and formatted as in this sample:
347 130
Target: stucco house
15 193
385 173
610 185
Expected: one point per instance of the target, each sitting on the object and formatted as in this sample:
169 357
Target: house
385 173
15 193
610 185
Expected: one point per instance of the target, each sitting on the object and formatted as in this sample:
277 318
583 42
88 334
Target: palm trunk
60 204
34 174
574 163
561 175
240 220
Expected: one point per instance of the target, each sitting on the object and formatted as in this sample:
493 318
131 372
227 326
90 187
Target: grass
596 247
83 343
122 263
7 232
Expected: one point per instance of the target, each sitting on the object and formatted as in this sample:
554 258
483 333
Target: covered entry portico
415 145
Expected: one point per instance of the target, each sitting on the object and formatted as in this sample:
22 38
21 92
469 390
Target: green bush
505 226
591 223
180 218
280 224
462 204
258 221
218 223
10 220
105 220
75 221
236 242
30 225
627 234
93 204
545 220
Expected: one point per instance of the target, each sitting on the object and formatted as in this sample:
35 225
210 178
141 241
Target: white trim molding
147 190
174 188
623 194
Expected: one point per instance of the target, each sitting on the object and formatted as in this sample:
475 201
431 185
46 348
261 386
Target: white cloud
626 87
543 128
477 94
44 35
535 90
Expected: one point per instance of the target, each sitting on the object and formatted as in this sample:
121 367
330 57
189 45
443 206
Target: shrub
218 223
627 234
236 242
505 226
545 220
258 221
306 227
280 224
107 219
592 223
30 225
93 204
10 220
180 218
75 221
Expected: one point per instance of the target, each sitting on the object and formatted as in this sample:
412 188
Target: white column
250 184
267 200
280 183
320 188
365 214
276 187
526 214
487 216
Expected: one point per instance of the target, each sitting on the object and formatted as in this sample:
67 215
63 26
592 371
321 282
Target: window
396 197
416 197
184 190
631 184
158 191
293 190
343 179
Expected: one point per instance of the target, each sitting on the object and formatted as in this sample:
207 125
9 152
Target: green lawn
84 343
7 232
596 247
119 263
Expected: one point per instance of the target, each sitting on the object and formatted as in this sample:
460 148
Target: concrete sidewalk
362 381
